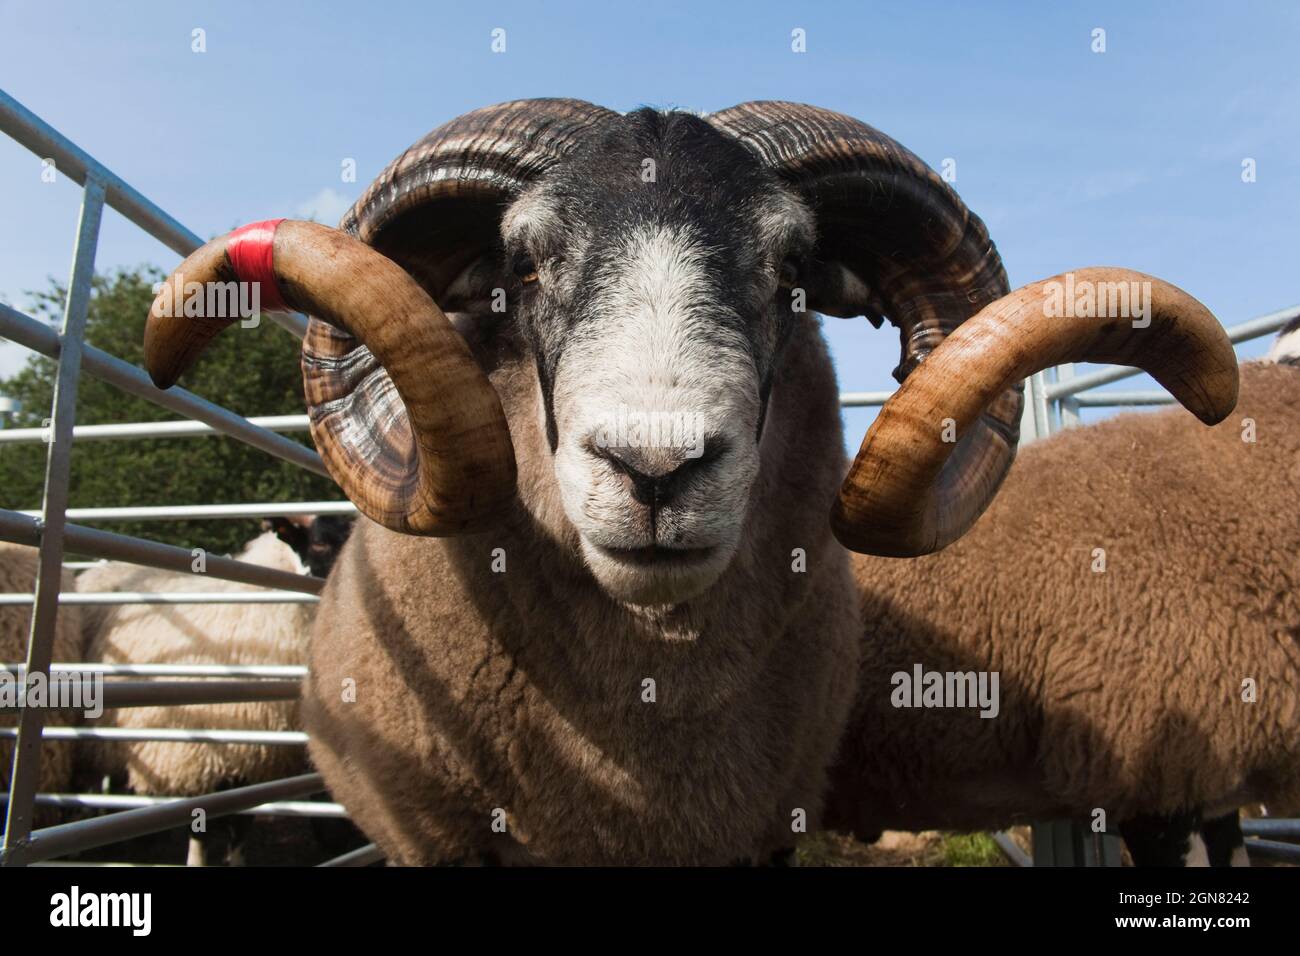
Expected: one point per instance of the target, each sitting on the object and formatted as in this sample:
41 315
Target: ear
477 287
293 531
835 289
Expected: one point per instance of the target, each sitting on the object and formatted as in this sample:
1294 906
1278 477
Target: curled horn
405 419
426 450
913 253
912 490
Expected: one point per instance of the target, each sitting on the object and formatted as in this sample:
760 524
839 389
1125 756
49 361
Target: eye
787 275
525 270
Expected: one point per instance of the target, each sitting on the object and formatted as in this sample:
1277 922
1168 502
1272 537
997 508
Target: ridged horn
912 490
925 258
384 409
436 208
411 429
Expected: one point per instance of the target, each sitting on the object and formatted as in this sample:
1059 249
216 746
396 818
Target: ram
1136 590
223 634
557 640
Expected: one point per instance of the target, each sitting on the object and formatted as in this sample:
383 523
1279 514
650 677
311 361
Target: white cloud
327 206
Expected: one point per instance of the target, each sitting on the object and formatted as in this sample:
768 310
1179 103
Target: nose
657 474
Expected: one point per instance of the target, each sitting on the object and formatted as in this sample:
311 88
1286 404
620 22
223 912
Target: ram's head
650 266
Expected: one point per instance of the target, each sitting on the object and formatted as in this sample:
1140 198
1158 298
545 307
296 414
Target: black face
650 276
317 540
567 241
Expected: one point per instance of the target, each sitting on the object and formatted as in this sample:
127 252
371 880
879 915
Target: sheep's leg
1224 842
1165 840
197 855
237 826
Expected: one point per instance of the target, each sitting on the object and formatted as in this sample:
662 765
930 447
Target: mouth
656 556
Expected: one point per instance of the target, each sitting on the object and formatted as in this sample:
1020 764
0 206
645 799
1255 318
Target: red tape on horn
251 251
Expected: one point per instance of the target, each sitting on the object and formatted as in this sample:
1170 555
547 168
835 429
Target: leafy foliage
250 371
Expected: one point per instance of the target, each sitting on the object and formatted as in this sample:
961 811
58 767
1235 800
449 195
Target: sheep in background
1286 348
316 539
1126 582
596 614
229 634
18 566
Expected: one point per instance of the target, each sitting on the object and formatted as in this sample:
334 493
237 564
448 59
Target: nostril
656 472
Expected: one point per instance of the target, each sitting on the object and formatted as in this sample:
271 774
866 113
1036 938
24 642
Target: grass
971 849
901 849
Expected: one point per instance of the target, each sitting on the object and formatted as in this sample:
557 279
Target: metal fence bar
1273 850
118 694
266 738
22 529
197 512
282 671
106 865
181 429
364 856
1067 408
1116 399
87 834
1063 843
1036 392
28 129
1272 826
102 598
1011 850
107 801
27 751
38 337
863 399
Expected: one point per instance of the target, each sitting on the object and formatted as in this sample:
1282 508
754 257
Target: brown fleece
517 697
1120 690
17 575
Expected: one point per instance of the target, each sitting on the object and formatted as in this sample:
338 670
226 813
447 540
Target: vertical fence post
1068 404
1034 422
31 720
1062 843
1042 408
1028 427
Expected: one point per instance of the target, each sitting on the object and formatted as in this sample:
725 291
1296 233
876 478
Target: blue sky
1129 157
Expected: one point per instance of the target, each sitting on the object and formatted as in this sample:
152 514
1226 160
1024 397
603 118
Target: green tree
250 371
